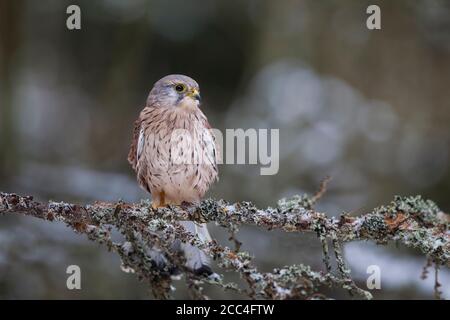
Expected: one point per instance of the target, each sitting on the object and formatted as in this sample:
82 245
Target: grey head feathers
170 90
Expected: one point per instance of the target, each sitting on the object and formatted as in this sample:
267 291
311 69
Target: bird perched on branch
174 154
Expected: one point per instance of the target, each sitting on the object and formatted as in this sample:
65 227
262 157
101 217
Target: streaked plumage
174 153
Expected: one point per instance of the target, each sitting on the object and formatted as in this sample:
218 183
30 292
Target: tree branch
412 221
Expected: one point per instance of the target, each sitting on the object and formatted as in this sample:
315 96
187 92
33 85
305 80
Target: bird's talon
157 206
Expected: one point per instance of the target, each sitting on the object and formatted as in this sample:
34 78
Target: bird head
175 91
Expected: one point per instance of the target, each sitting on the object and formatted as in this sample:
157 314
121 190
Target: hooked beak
194 94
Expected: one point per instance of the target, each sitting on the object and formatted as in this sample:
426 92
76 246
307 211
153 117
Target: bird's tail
196 259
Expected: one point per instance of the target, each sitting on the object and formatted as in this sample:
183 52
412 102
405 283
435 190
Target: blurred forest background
369 108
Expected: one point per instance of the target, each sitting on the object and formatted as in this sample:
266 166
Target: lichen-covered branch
412 221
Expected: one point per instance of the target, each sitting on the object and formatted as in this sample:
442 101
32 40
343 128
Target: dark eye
180 87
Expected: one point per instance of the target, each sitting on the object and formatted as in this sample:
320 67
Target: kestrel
174 153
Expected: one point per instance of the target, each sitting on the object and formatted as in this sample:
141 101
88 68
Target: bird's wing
136 144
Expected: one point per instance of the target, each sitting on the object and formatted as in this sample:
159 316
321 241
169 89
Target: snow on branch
411 221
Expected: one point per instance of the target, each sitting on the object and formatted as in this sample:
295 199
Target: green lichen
425 211
295 202
411 221
374 226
